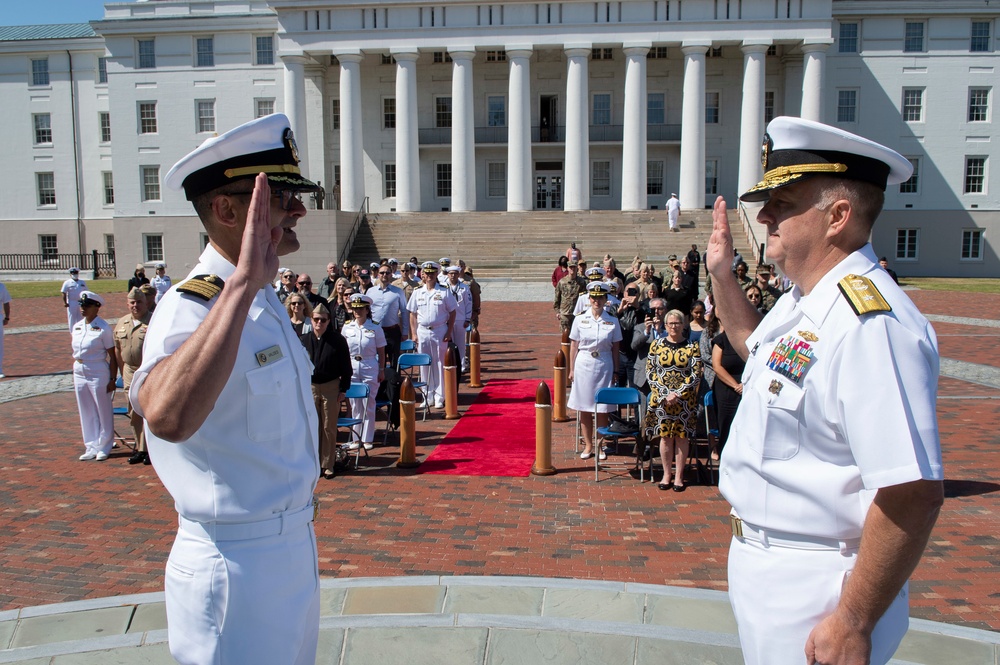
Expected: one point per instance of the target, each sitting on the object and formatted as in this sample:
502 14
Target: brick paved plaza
74 530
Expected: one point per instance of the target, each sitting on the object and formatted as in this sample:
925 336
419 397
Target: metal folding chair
357 391
406 363
122 411
618 397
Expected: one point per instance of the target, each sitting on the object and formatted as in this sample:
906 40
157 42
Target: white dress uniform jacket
463 314
73 288
161 284
91 375
835 406
583 304
363 342
242 486
4 298
432 309
594 366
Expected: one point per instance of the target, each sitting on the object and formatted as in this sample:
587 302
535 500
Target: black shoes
139 457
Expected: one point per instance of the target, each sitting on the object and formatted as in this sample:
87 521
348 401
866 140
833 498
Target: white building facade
514 106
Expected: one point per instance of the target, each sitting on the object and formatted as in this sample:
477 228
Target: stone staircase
526 246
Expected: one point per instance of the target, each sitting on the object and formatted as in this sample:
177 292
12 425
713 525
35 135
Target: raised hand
719 255
259 249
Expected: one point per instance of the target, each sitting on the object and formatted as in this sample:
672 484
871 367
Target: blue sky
31 12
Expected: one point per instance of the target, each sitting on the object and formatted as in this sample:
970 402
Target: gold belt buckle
736 524
595 354
315 508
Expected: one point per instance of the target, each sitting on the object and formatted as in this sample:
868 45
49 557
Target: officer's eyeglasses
305 283
320 319
383 272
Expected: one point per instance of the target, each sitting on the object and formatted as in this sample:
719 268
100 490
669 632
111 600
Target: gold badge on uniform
775 387
808 336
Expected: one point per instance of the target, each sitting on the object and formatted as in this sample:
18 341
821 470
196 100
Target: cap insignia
290 142
205 287
765 150
862 295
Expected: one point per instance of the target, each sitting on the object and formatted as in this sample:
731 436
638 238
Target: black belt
395 327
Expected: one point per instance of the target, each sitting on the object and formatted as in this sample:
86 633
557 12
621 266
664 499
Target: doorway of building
548 188
548 119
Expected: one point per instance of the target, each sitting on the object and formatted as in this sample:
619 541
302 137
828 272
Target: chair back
709 399
357 391
407 346
619 396
408 360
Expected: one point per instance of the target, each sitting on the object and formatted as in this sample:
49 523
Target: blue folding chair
711 438
357 391
122 411
618 397
407 346
406 363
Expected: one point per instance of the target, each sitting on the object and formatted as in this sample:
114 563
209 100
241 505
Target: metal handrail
756 247
361 216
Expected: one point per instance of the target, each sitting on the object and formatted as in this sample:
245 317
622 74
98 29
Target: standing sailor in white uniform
833 466
231 424
432 316
366 343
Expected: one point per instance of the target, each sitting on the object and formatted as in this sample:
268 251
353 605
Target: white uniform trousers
431 342
365 372
780 591
90 383
233 602
73 314
458 336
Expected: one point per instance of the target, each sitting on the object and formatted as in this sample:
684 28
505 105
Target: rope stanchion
450 385
543 432
559 380
474 378
407 426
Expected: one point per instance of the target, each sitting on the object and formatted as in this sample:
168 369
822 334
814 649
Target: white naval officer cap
359 300
453 268
87 297
597 289
262 145
595 273
430 266
74 270
795 150
445 261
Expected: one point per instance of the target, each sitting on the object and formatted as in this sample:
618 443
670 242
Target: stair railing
757 248
360 217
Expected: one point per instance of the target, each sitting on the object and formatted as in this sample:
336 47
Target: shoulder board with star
862 295
205 287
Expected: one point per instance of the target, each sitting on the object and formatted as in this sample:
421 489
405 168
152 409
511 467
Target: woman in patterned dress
673 369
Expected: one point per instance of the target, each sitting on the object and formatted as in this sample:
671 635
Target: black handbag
620 425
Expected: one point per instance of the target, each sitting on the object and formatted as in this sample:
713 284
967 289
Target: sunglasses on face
305 283
298 303
320 319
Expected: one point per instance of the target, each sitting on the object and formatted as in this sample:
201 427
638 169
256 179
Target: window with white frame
442 57
496 179
496 110
108 180
975 175
768 106
146 49
263 107
907 244
654 178
979 104
772 50
913 105
389 180
150 176
109 243
980 41
655 108
602 54
600 178
972 245
847 106
442 117
46 185
913 39
39 71
912 185
147 117
711 176
657 53
263 50
104 124
335 114
602 108
848 39
712 107
43 128
443 180
152 246
102 70
389 113
48 246
204 52
205 109
388 59
714 52
496 56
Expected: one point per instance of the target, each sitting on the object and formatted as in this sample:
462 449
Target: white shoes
439 405
354 445
602 455
2 375
586 455
88 456
100 457
369 446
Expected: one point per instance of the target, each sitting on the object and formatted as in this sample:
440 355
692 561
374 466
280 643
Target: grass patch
967 284
45 289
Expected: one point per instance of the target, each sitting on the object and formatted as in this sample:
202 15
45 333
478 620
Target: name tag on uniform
269 355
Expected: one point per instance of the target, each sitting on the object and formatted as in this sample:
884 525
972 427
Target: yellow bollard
543 432
559 379
474 379
565 346
450 385
407 426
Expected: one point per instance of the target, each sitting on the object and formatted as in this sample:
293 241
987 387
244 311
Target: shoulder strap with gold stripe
862 295
205 287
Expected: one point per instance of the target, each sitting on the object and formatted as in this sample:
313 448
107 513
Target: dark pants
393 338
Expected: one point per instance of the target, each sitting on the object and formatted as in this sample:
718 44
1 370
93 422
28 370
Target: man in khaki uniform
407 282
129 335
568 291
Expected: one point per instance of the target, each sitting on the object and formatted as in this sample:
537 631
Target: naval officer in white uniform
366 343
833 467
231 425
432 316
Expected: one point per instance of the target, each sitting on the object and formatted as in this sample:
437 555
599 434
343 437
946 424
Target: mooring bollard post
474 380
559 398
565 349
407 426
450 385
543 432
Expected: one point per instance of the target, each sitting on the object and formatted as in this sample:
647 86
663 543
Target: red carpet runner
495 437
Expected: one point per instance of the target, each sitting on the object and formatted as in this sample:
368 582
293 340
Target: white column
577 183
295 105
752 116
813 71
634 130
407 145
463 133
352 167
692 184
519 131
